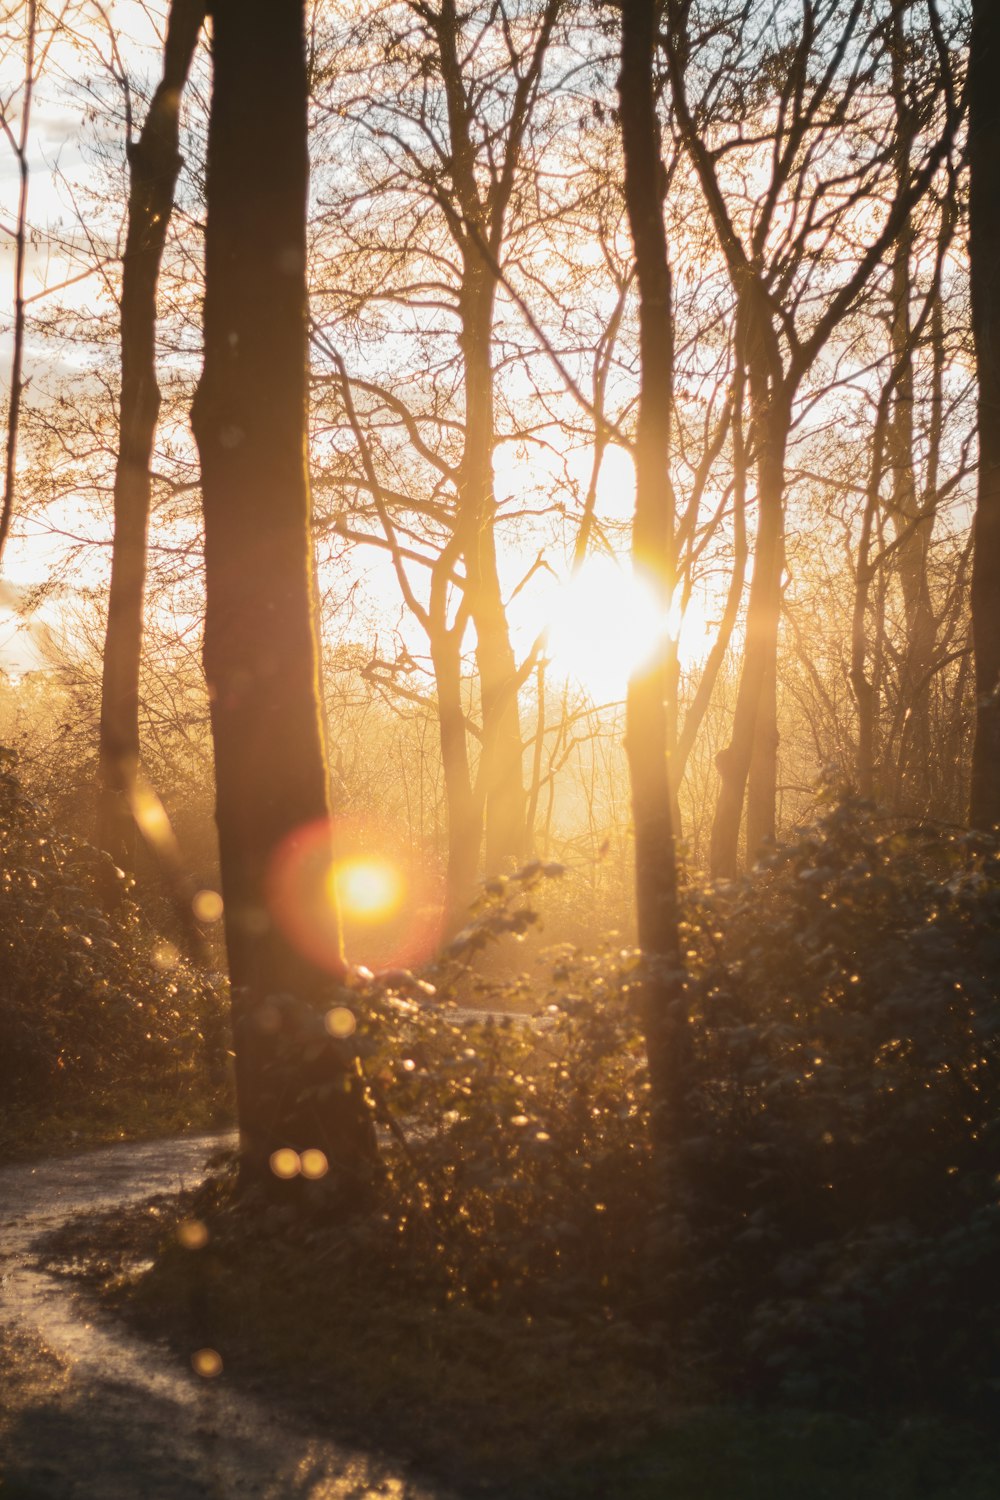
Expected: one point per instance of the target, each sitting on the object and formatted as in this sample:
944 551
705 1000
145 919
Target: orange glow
192 1234
325 872
340 1022
285 1163
368 888
314 1163
207 906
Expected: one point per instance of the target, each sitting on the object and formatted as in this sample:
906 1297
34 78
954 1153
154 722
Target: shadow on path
91 1413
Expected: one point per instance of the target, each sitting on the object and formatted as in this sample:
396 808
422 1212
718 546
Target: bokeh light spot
285 1163
314 1164
207 1363
340 1022
192 1234
207 906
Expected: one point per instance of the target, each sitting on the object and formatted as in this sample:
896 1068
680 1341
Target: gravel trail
90 1412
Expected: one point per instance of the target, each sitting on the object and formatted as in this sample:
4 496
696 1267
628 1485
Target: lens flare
368 888
332 886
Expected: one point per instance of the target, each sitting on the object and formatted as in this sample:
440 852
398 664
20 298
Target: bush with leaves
825 1227
833 1226
94 1006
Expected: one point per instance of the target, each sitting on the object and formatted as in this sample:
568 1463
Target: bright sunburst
604 622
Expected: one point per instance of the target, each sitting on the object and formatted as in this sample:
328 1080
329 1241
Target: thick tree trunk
984 256
754 739
261 656
647 737
154 162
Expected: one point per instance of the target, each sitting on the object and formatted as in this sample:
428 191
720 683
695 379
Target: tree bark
477 223
502 748
260 651
984 258
647 735
464 804
154 162
912 529
753 742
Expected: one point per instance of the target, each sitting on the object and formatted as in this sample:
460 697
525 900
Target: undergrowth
105 1029
525 1279
527 1297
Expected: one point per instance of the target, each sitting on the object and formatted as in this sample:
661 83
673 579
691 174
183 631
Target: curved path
90 1412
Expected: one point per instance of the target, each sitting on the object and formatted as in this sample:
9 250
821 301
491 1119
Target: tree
260 652
653 556
984 261
752 99
154 162
443 131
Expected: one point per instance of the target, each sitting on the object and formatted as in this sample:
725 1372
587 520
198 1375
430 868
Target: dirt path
89 1412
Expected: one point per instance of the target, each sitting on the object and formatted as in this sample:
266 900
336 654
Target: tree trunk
913 535
502 748
647 735
912 529
862 685
261 656
762 778
984 257
465 808
154 162
754 740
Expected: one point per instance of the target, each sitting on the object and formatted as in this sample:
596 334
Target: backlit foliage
94 1005
825 1226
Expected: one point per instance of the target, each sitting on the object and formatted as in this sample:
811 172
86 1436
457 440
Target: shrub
825 1228
834 1212
91 1002
828 1224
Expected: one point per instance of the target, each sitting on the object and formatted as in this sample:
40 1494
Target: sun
604 622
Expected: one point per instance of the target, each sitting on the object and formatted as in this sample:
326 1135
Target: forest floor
93 1410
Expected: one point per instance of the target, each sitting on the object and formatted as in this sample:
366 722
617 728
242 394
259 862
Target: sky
61 173
73 53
